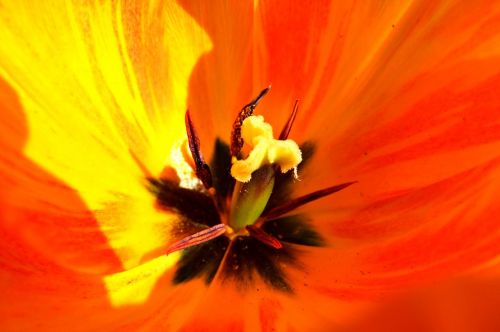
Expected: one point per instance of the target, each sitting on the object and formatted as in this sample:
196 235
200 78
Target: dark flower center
239 231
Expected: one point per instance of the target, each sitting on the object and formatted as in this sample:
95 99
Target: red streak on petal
269 314
263 237
198 238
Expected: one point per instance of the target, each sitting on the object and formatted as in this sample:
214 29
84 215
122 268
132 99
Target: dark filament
202 170
246 111
288 126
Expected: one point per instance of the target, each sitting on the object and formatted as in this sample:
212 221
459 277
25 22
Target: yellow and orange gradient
399 96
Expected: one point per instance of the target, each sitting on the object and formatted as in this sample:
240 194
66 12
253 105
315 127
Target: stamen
288 126
198 238
236 140
295 203
263 237
202 169
181 169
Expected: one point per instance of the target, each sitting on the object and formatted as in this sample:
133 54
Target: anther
202 169
246 111
198 238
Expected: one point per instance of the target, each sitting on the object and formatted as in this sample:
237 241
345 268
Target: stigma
265 150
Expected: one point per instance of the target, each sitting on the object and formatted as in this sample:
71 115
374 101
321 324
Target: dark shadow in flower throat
243 257
201 261
193 205
294 229
249 256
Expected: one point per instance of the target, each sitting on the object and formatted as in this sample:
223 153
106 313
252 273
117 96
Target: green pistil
250 199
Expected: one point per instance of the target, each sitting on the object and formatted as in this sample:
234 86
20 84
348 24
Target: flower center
239 216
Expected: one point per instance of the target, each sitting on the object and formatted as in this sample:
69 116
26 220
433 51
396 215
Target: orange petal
467 304
398 97
39 210
423 106
221 83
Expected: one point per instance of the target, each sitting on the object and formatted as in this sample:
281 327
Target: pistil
250 199
255 174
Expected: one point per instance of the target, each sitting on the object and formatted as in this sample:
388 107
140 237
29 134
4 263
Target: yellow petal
135 285
97 88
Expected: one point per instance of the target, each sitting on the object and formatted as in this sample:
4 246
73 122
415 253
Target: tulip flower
152 179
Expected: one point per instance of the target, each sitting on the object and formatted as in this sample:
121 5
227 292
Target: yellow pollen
184 169
265 150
